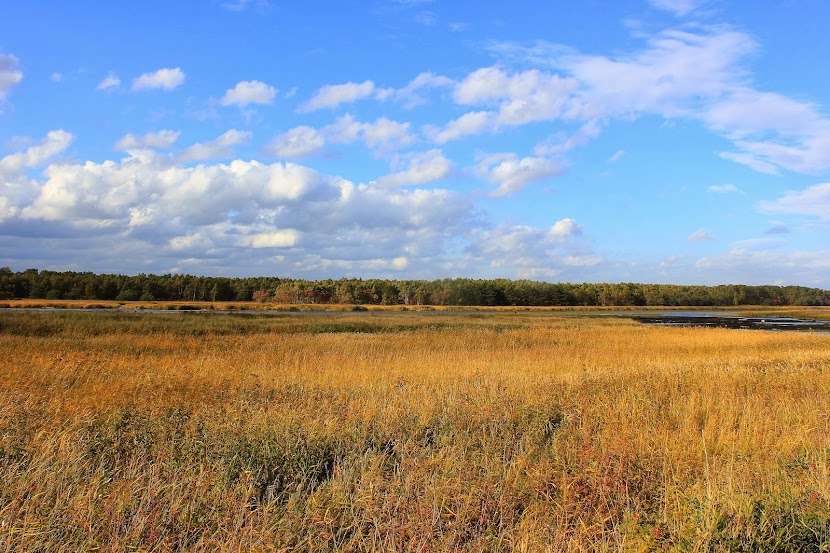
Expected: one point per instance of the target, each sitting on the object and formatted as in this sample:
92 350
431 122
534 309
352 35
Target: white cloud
298 142
249 92
811 155
564 229
513 174
773 131
523 97
166 79
556 146
198 216
383 134
276 239
697 72
400 263
745 112
217 148
814 201
616 156
57 77
481 86
531 252
344 130
470 123
422 168
409 94
700 235
331 96
581 260
723 188
397 264
675 75
753 163
10 74
160 139
55 142
190 242
110 81
679 8
808 268
387 134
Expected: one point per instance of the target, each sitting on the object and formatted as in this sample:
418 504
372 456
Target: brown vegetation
527 431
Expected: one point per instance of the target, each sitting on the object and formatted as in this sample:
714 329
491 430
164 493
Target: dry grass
527 431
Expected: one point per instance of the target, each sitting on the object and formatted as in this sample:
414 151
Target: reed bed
392 431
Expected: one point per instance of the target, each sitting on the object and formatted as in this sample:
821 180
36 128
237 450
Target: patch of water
733 321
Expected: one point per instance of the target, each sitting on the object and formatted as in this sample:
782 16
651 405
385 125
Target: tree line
42 284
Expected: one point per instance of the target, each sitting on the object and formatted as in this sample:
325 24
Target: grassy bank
526 431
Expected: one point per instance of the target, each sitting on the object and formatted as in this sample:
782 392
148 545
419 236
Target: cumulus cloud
558 145
110 81
160 139
564 229
471 123
217 217
383 133
249 92
421 168
386 134
275 239
208 216
512 174
532 252
221 147
16 188
55 142
10 74
522 97
331 96
700 235
298 142
410 94
166 79
814 201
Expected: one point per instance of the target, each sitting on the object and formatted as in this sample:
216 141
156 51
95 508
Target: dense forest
33 283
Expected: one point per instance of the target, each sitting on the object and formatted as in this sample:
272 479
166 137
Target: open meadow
534 430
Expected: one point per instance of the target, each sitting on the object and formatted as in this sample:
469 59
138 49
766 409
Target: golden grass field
534 430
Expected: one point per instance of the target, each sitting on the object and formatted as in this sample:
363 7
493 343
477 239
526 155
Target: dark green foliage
453 292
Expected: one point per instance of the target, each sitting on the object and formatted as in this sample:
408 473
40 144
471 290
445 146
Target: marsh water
719 320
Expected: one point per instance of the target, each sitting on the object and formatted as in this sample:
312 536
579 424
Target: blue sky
667 141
